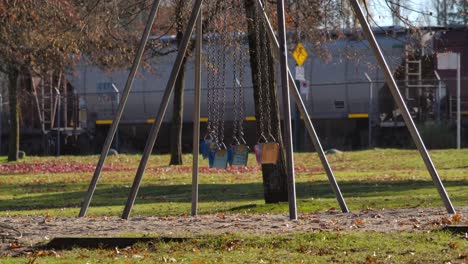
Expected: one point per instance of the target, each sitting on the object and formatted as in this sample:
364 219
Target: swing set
213 145
219 45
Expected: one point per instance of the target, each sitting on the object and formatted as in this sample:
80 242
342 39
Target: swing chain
234 93
241 61
217 88
209 58
214 80
224 42
237 86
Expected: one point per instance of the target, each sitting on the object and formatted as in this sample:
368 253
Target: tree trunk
14 107
274 176
178 113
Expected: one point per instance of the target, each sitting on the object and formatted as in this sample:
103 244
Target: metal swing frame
288 86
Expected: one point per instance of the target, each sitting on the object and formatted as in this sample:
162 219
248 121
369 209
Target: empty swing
213 146
238 150
267 148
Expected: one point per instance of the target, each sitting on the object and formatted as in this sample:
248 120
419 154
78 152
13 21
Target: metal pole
286 110
65 102
196 114
120 109
117 99
402 106
297 115
297 132
371 100
162 109
58 121
458 102
310 127
317 145
1 113
438 95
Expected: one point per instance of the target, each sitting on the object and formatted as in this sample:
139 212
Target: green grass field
375 179
322 247
381 178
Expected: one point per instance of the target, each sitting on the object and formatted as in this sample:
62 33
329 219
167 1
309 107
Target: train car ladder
413 77
46 101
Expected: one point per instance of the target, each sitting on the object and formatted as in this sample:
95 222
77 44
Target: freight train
345 95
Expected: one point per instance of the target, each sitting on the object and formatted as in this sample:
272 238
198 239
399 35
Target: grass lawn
321 247
376 179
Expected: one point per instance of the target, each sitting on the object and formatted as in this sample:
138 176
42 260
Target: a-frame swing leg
120 108
317 145
196 113
286 110
402 106
162 109
310 127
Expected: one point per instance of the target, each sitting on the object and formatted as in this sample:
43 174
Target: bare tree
52 36
178 98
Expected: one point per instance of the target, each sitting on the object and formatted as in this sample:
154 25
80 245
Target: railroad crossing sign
300 54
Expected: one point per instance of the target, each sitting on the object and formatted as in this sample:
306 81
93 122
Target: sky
415 12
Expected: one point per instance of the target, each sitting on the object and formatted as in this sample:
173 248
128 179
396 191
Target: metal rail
196 113
286 110
1 128
402 106
370 110
59 105
162 110
120 109
309 125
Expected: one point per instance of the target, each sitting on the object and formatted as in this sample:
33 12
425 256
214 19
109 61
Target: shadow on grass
110 196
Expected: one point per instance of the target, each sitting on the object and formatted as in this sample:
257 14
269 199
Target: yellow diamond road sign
300 54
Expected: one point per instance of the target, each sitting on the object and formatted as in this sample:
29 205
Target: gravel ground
35 229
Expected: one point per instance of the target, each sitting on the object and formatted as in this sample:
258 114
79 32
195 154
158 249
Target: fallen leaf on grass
337 228
359 222
15 245
370 260
47 217
46 253
221 216
169 260
441 221
32 260
304 250
456 217
454 245
52 167
445 221
231 245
